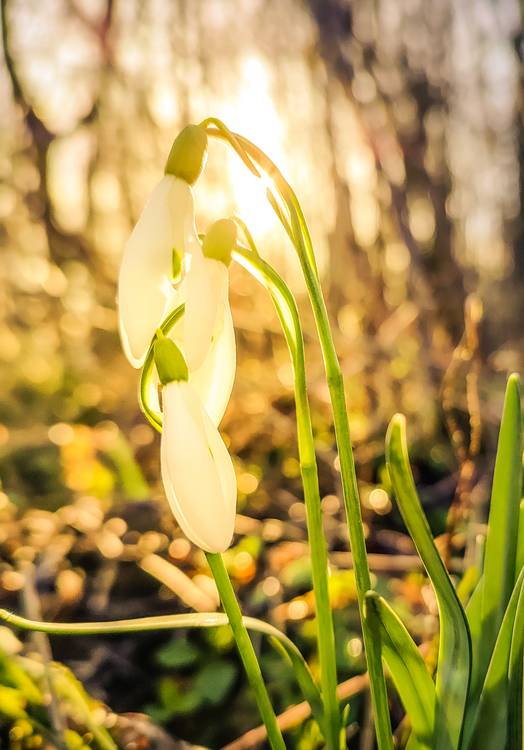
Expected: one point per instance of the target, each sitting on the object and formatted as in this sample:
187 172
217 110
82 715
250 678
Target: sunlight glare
254 113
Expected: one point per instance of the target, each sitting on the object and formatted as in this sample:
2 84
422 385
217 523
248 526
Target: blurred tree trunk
438 271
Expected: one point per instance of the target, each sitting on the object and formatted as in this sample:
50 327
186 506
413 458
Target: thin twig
466 355
386 563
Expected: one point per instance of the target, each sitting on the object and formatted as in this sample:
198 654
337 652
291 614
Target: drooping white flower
145 292
197 471
205 334
206 293
164 233
213 381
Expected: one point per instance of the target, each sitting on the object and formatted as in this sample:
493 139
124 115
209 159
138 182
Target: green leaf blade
454 663
489 726
408 671
519 553
501 542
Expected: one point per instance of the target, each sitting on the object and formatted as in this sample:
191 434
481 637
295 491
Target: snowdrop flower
154 252
213 378
213 381
206 291
197 471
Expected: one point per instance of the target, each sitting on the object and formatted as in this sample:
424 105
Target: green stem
245 649
288 314
144 397
276 637
304 247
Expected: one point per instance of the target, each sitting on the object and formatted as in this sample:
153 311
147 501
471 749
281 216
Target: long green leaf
515 735
173 622
288 315
454 660
501 541
515 676
519 554
489 727
517 638
473 613
414 743
409 673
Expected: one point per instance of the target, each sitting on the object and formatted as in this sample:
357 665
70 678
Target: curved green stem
288 314
219 125
175 622
249 152
302 242
245 649
146 376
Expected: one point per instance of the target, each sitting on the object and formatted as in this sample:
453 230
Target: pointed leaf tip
454 649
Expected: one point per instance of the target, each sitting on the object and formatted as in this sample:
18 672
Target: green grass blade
489 727
414 743
454 661
515 676
519 553
409 673
501 541
303 676
473 613
515 740
473 609
517 638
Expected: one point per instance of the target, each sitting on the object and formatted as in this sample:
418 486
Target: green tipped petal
176 264
170 363
188 154
220 241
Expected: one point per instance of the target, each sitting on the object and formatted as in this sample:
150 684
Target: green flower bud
169 360
188 154
220 241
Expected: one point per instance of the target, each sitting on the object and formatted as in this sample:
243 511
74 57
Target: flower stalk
288 314
289 317
295 225
245 649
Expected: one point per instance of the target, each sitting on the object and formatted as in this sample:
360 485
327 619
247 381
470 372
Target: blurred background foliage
400 124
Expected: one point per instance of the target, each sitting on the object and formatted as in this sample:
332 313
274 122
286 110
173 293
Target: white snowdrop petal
225 469
144 292
206 296
174 504
142 305
215 377
192 477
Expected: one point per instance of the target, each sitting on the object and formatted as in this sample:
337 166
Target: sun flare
254 113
